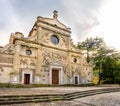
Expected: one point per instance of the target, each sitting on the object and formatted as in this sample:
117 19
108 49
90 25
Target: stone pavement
45 90
57 103
108 99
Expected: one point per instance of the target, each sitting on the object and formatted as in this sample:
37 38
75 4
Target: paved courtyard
45 90
108 99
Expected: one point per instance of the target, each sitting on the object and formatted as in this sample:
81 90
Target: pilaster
39 61
16 59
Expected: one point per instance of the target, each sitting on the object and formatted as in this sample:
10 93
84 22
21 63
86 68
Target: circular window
75 60
28 52
54 39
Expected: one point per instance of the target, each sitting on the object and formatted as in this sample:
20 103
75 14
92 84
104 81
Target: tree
106 60
90 44
100 60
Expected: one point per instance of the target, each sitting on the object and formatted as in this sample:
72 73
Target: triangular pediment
53 21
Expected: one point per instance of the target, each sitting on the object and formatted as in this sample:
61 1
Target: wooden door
26 78
55 77
76 80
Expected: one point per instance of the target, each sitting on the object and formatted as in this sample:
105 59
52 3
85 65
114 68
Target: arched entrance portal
56 74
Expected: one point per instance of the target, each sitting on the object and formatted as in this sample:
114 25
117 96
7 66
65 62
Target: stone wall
6 67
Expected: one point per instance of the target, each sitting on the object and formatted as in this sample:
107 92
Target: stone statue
55 14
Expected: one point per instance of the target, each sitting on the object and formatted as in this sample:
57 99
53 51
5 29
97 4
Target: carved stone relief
44 69
32 63
27 62
63 42
88 73
50 56
75 69
45 38
23 61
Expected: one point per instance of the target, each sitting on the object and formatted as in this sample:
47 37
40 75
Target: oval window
28 52
54 39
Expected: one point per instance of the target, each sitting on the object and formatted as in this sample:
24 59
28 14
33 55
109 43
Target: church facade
46 56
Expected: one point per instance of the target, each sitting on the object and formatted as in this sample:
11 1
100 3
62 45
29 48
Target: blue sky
86 18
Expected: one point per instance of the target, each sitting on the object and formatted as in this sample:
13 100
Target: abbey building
46 56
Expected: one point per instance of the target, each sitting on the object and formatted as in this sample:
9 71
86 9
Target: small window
54 39
28 52
75 60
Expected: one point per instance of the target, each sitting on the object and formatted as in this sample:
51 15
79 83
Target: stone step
91 92
84 94
6 98
29 100
17 99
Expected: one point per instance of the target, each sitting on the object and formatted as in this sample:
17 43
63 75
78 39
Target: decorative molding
1 66
41 44
6 59
57 27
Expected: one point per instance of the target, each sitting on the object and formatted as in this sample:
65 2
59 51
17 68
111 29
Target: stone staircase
18 99
81 94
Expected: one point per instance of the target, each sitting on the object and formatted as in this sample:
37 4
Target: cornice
42 21
41 44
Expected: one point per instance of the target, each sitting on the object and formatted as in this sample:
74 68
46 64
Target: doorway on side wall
76 80
55 77
26 78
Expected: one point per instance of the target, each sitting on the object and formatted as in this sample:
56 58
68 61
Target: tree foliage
106 60
91 44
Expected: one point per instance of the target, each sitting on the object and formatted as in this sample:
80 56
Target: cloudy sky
86 18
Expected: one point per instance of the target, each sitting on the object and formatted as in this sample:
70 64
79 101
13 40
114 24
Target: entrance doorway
26 78
55 77
76 80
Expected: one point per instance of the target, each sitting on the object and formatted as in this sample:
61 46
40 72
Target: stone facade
46 56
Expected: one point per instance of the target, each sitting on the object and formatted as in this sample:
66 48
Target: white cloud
9 20
82 16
